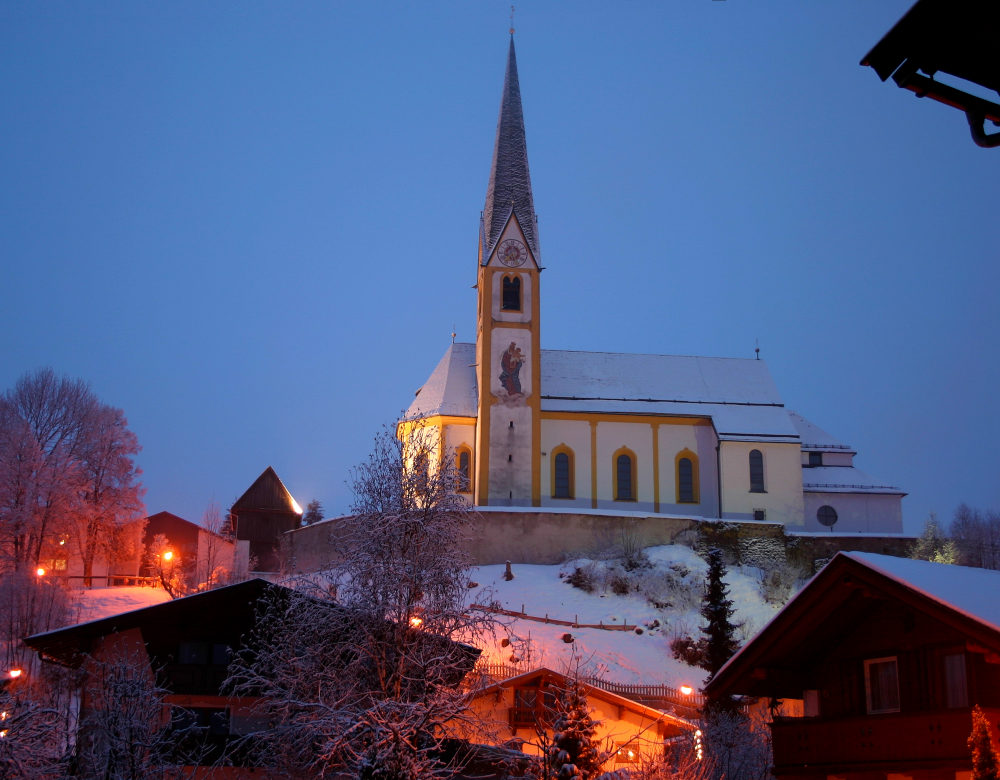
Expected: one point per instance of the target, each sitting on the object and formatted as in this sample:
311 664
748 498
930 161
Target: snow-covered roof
451 387
843 479
738 395
973 592
815 438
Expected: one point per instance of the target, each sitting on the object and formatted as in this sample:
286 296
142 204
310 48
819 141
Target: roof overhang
955 37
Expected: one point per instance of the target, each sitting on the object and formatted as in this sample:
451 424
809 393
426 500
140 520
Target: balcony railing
937 737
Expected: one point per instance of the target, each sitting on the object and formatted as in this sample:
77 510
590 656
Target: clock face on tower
512 252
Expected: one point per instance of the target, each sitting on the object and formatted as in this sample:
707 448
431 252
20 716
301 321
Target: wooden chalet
521 709
878 661
188 643
260 517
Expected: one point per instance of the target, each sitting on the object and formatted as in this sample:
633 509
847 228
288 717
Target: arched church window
511 293
756 471
687 488
624 476
463 470
562 473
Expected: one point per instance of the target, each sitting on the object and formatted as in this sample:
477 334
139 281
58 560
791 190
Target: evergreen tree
574 754
984 758
717 610
932 545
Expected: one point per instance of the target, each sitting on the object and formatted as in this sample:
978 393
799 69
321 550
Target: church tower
507 338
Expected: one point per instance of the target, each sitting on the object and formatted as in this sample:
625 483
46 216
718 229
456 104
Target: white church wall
701 440
637 437
782 500
574 434
856 512
831 458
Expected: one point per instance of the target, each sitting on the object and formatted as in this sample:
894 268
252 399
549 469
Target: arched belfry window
562 472
687 477
756 471
624 475
463 470
511 293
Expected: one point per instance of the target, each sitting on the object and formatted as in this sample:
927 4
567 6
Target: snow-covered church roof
737 394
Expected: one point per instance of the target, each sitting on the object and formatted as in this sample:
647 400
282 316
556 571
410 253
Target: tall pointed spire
510 183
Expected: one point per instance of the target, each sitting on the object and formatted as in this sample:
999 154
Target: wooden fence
574 623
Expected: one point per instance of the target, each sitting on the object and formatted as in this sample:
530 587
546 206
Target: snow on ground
642 656
97 603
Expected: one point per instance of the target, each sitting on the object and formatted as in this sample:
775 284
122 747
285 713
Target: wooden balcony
893 741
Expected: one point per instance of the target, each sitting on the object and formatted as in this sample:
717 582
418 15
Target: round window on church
826 515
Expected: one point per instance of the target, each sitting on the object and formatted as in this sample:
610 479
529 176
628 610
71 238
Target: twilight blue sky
252 225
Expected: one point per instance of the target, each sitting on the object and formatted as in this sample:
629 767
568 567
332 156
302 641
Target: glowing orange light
40 571
687 690
416 622
296 507
3 733
15 673
168 555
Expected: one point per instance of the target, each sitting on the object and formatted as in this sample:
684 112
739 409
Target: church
700 437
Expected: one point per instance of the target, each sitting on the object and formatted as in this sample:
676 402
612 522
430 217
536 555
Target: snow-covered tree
574 753
32 738
366 684
66 472
313 513
717 611
984 757
933 545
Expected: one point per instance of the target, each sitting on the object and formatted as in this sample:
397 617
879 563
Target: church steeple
509 187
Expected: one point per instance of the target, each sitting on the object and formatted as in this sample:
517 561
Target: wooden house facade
877 662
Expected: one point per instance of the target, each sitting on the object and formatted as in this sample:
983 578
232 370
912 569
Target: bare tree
214 566
366 686
976 535
33 738
127 730
28 605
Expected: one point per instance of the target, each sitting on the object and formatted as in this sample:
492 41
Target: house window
956 684
815 458
756 471
687 478
826 515
625 753
463 470
882 685
562 472
624 476
760 515
511 293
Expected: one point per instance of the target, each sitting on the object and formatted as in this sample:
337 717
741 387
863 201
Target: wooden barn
261 515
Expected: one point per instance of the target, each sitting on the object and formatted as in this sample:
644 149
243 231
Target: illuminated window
562 472
625 753
756 471
463 470
624 473
882 685
511 293
686 465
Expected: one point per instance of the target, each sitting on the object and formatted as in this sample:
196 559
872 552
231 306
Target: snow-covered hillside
673 579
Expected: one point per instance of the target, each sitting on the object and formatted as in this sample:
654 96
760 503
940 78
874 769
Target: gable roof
961 597
509 186
593 692
267 493
737 394
232 605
